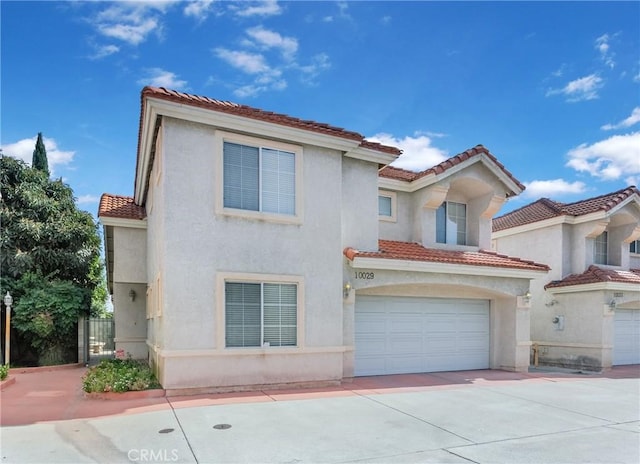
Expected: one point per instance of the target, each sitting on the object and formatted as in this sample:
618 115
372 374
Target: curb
7 382
130 395
31 370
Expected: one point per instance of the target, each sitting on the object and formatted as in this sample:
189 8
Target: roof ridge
479 149
627 191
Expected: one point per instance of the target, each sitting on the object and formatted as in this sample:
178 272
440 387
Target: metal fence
100 344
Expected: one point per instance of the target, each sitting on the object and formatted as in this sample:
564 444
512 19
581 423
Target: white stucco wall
402 228
129 274
129 246
199 245
359 205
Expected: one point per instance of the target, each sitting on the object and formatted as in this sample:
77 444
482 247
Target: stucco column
348 327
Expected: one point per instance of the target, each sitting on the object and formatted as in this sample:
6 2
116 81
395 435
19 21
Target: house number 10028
365 275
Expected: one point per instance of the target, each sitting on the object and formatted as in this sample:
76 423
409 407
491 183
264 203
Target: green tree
49 256
39 160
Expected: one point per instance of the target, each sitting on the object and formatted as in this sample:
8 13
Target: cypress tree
39 160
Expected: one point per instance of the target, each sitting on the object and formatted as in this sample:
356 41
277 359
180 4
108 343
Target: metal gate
100 341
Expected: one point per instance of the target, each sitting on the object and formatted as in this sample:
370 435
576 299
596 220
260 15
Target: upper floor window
601 255
451 223
634 247
387 204
259 179
259 314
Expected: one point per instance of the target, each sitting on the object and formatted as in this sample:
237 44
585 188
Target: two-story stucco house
586 312
261 249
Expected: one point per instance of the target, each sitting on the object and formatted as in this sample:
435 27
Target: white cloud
87 199
609 159
319 63
104 51
131 33
198 9
250 63
267 39
602 45
23 149
417 152
560 71
627 122
130 21
158 77
552 188
263 8
585 88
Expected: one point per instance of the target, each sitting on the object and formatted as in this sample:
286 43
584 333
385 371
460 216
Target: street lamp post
8 301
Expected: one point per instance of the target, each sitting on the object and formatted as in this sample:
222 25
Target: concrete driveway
454 417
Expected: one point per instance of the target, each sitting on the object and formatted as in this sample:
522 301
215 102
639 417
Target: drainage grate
165 430
222 426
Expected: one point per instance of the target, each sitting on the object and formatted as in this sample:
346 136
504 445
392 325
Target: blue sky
551 89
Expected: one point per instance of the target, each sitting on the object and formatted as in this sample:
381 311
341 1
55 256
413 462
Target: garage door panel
420 335
403 364
370 345
626 338
405 345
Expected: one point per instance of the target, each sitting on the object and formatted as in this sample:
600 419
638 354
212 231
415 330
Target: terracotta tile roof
595 274
262 115
118 206
390 249
391 172
546 209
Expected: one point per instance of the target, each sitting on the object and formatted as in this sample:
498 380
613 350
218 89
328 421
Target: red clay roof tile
262 115
390 249
118 206
595 274
391 172
546 209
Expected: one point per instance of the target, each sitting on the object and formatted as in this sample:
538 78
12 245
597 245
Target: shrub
119 375
4 371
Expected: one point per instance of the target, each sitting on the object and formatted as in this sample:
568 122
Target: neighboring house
261 249
586 312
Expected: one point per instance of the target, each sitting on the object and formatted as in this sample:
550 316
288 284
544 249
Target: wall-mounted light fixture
346 290
132 295
613 303
527 297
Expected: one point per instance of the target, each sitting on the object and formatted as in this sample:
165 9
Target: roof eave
123 222
595 286
362 262
431 178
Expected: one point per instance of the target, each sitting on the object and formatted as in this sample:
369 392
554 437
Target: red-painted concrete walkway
56 394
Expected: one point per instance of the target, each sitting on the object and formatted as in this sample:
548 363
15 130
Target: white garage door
626 339
400 335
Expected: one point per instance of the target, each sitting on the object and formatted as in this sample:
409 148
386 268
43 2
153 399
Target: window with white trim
384 206
260 314
259 179
634 247
600 248
387 204
451 223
